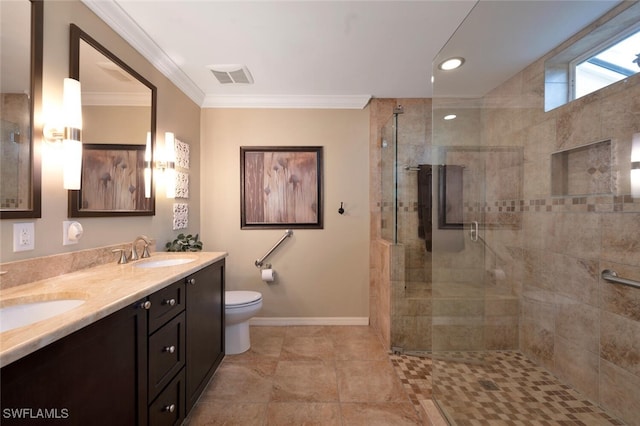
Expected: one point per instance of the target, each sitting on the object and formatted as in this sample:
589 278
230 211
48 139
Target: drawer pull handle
191 281
170 302
171 349
170 408
146 305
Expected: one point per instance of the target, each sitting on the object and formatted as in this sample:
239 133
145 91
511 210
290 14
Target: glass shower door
389 181
458 288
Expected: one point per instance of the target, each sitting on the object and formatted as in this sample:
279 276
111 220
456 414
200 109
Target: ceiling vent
231 74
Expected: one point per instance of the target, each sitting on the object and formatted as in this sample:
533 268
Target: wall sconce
167 164
147 167
69 134
635 166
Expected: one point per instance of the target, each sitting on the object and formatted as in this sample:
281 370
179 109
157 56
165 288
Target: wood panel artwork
281 187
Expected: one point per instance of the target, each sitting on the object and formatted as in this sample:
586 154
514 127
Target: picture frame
112 183
281 187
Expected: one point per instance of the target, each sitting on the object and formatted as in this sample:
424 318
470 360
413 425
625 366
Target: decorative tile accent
182 154
501 386
180 216
182 185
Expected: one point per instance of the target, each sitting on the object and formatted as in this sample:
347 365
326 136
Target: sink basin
28 313
159 263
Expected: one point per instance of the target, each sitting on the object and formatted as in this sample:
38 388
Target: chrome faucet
123 257
145 251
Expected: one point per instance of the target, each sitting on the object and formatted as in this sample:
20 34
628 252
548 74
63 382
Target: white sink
159 263
28 313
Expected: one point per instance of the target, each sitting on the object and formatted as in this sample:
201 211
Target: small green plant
184 243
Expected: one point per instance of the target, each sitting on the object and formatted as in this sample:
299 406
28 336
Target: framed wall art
281 187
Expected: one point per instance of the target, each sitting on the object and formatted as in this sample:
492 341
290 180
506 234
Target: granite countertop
105 289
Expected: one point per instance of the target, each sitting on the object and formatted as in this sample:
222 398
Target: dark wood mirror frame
75 196
35 206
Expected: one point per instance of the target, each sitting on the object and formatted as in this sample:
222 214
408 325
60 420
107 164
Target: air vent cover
231 74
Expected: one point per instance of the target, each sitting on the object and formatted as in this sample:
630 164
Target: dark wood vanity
147 363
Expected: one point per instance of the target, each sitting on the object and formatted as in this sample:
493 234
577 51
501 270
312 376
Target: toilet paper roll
268 275
499 274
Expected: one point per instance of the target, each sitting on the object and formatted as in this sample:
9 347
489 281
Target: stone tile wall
582 328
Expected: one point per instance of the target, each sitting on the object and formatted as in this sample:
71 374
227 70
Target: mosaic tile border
584 204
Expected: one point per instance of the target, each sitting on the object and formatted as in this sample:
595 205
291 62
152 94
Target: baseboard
284 321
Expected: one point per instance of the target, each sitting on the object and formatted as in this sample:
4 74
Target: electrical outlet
23 236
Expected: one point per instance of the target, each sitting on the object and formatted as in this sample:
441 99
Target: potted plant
184 243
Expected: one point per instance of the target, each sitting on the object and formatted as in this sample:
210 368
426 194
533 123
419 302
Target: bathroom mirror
118 110
21 97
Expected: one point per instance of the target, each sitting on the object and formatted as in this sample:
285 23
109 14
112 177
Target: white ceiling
340 53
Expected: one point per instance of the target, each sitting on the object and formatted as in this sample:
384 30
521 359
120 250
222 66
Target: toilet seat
240 299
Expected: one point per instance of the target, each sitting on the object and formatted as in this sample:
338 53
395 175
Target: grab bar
287 233
612 276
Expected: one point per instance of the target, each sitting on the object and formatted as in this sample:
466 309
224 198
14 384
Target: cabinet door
95 376
205 328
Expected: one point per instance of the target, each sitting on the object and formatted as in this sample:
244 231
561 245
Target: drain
488 385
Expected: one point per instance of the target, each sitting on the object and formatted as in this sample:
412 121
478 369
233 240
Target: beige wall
175 113
321 272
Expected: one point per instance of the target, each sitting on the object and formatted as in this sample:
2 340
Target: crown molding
114 16
277 101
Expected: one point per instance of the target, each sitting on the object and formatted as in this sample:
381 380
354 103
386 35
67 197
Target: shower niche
584 170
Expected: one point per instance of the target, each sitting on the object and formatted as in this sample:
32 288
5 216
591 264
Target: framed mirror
118 111
21 97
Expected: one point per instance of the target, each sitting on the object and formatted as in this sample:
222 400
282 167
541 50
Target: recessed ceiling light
450 116
451 64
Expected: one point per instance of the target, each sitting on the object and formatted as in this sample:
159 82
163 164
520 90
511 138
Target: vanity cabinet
205 328
146 364
95 376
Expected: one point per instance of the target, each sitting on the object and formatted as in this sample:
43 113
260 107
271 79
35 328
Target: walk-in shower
516 282
504 297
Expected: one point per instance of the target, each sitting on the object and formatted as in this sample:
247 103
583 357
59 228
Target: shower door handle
473 231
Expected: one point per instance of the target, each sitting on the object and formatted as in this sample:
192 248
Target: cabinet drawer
166 354
168 408
165 304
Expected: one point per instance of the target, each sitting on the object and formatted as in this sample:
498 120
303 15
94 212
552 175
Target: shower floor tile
496 388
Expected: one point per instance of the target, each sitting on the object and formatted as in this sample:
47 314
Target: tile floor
342 375
307 375
497 388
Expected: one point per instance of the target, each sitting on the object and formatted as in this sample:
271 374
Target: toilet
239 308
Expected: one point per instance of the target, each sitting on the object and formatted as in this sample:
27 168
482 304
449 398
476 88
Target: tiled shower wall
583 329
15 150
401 319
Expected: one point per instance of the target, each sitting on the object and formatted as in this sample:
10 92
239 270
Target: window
618 60
606 55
